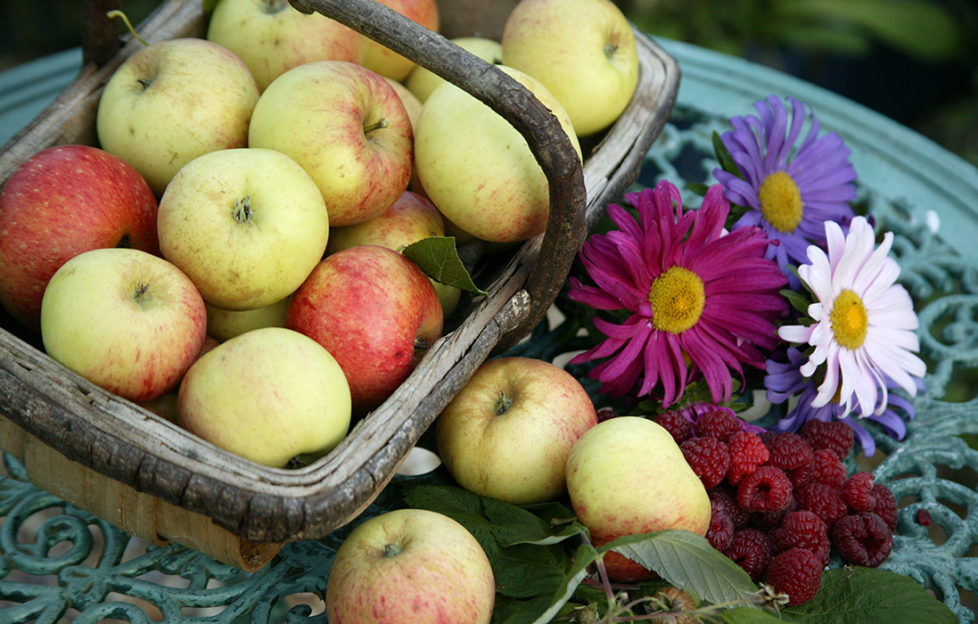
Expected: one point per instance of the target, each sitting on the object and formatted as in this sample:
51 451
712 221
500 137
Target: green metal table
58 563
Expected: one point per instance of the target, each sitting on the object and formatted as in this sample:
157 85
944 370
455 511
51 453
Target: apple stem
391 550
117 13
242 209
140 294
503 403
610 49
378 125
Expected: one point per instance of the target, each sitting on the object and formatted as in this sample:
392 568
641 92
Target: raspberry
724 500
886 505
770 520
676 424
721 530
766 489
788 450
924 518
828 469
719 423
824 500
863 539
802 475
833 435
747 452
857 491
751 550
796 572
606 413
803 529
709 459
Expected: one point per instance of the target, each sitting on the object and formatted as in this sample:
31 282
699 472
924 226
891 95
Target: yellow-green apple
347 127
224 324
412 105
165 406
421 82
247 225
60 202
583 51
410 565
268 395
124 319
478 169
386 62
628 476
173 101
272 37
507 433
375 311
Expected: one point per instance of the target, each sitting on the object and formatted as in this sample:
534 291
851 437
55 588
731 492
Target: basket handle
548 141
100 40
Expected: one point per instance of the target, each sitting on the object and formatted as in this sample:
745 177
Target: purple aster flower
789 189
702 302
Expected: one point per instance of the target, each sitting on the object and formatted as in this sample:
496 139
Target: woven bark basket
156 481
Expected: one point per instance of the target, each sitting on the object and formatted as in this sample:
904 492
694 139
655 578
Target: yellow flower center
677 299
780 202
849 320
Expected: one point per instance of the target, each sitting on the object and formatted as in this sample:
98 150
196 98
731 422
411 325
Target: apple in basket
173 101
347 127
375 311
223 324
125 319
407 566
60 202
421 82
272 36
583 51
507 433
386 62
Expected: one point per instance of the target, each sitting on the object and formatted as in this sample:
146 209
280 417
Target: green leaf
723 156
584 557
858 595
687 560
749 615
796 300
438 258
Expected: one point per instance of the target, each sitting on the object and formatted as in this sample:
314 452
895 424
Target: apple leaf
438 258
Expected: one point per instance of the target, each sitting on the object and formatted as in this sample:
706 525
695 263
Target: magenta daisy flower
700 302
789 189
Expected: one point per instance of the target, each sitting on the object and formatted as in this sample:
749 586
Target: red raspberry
924 518
770 520
863 539
750 548
886 505
802 475
719 423
824 500
724 499
788 450
676 424
803 529
747 452
709 459
766 489
796 572
857 491
721 531
828 469
833 435
606 413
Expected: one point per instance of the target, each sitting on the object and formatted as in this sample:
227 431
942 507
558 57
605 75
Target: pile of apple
228 254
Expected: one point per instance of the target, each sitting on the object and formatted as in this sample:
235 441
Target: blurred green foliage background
915 61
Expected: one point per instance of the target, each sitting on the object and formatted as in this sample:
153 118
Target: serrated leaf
438 257
584 557
749 615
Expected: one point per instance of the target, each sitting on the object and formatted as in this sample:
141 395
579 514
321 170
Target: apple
507 433
124 319
165 406
583 51
272 37
173 101
626 476
421 82
411 566
225 324
386 62
60 202
347 127
375 311
247 225
478 169
268 395
412 105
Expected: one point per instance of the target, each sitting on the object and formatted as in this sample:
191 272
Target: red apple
375 311
61 202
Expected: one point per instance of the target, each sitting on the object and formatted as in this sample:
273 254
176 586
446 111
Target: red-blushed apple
412 105
61 202
272 37
386 62
410 566
347 127
627 476
165 406
507 433
124 319
375 311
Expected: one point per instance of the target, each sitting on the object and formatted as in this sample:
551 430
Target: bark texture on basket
549 143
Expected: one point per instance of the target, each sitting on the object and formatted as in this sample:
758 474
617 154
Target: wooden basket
156 481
